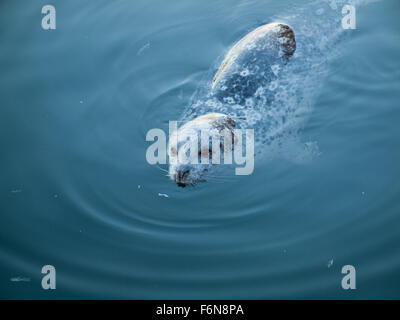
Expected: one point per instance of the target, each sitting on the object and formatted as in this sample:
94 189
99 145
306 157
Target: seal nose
181 175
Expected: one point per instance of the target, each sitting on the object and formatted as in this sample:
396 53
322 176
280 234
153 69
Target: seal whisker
216 178
158 167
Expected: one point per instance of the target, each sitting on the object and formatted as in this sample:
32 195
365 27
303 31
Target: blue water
76 191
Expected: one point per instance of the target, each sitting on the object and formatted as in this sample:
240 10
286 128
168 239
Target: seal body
250 60
248 65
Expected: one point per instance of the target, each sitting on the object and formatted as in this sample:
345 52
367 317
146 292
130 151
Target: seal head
193 148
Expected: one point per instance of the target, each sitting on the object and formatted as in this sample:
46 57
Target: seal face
190 150
247 65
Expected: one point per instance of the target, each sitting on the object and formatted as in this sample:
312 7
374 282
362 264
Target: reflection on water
77 193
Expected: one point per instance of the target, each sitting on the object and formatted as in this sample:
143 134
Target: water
76 191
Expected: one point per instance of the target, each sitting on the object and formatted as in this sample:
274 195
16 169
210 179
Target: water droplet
163 195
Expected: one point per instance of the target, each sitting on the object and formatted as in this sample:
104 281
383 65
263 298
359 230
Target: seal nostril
185 173
182 174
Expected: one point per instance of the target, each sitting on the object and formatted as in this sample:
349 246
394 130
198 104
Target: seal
247 64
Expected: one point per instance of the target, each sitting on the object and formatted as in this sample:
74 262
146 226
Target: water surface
76 191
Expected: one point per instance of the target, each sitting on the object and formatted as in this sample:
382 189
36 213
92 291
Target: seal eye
174 152
205 153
